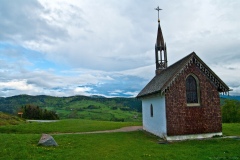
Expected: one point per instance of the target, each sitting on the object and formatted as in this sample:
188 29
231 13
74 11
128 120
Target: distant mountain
230 97
87 107
97 96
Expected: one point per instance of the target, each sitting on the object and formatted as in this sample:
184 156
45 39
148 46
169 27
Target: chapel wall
183 119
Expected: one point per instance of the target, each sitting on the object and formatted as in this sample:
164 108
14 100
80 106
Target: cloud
229 76
131 94
30 79
107 47
82 90
17 85
23 22
74 34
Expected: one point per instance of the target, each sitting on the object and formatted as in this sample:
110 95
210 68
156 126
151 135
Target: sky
106 47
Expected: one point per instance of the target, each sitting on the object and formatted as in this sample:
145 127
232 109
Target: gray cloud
22 21
105 47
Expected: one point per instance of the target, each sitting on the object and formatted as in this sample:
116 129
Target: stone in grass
47 140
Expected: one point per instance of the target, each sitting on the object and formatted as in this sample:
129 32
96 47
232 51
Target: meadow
20 142
78 107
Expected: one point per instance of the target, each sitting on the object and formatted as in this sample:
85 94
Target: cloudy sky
106 47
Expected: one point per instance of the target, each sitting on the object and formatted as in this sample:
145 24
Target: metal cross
158 9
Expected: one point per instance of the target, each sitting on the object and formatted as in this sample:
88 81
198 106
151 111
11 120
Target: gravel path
124 129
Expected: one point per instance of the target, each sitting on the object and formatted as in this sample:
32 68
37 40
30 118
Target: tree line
35 112
231 111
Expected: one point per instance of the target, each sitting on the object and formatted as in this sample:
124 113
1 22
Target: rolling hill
84 107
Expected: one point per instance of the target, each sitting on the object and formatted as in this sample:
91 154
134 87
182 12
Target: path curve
123 129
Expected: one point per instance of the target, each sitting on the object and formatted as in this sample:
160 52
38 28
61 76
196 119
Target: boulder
47 140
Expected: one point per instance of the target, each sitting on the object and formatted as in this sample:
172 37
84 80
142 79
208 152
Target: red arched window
191 90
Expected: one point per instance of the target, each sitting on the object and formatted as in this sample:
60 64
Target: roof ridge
161 81
181 67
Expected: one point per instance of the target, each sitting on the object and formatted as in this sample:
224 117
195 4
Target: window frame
198 91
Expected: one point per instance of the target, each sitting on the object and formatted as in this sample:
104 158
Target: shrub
125 108
93 107
114 108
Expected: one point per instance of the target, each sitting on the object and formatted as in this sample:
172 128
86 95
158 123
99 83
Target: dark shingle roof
162 81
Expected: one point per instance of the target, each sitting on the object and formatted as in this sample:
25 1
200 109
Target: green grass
231 129
103 113
63 126
132 145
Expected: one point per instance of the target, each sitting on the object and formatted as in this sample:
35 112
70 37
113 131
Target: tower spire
160 49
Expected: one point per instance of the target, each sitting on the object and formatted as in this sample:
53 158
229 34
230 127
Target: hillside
6 119
230 97
84 107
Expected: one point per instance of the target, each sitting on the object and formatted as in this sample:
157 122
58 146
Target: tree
35 112
231 111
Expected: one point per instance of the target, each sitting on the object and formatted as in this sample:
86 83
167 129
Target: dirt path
123 129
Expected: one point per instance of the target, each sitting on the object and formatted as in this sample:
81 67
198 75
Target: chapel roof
161 82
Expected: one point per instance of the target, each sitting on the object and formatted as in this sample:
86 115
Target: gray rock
47 140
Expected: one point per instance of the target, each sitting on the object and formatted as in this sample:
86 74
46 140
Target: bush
114 108
125 108
93 107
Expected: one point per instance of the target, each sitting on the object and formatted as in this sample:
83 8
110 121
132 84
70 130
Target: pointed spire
160 49
160 40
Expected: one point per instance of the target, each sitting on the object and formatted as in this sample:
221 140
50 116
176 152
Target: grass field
20 142
63 126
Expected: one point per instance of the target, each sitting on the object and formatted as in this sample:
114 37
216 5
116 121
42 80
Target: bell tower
160 49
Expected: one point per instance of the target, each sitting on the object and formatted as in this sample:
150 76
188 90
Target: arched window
151 110
192 93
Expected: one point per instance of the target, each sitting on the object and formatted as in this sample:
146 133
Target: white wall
156 124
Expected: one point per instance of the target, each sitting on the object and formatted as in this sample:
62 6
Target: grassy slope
6 119
76 106
132 145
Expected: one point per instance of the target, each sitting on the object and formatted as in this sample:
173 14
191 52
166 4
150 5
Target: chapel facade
182 101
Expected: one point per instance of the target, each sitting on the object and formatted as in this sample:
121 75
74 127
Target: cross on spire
158 9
